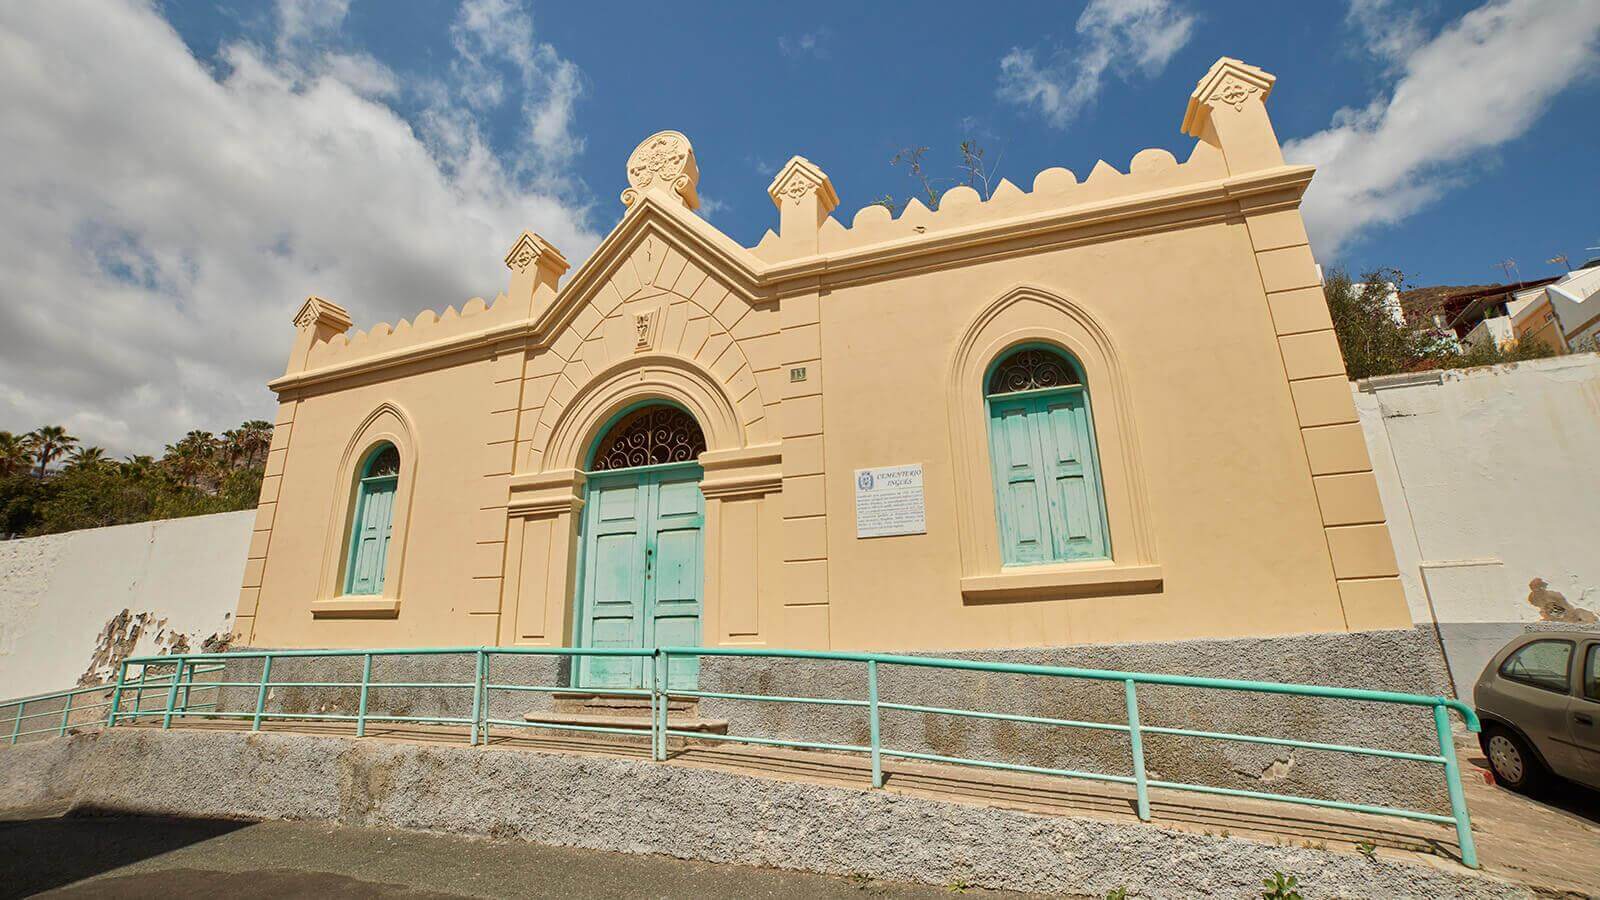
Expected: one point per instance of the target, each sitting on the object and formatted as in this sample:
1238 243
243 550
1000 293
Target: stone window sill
1053 582
348 607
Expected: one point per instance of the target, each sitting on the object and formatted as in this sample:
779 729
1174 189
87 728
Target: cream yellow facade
1236 492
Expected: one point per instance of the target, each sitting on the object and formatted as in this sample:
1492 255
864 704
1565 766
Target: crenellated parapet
1052 189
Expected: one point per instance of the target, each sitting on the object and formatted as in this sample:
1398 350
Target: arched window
649 436
371 520
1046 469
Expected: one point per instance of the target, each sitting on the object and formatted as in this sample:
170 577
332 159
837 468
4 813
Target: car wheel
1513 762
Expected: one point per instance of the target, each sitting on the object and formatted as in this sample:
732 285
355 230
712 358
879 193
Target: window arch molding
1023 316
386 424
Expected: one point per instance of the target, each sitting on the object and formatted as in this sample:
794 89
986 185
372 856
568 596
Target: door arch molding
659 377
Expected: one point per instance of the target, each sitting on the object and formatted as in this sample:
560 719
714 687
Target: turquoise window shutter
1048 497
372 522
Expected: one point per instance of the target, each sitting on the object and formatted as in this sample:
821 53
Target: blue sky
214 164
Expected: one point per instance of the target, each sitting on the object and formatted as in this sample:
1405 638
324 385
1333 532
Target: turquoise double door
642 572
1047 477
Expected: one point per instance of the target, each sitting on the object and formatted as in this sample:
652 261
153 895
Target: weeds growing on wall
49 483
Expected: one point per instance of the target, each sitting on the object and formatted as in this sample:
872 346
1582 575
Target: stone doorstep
592 701
633 722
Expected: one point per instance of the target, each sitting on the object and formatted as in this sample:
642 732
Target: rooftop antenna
1561 260
1508 266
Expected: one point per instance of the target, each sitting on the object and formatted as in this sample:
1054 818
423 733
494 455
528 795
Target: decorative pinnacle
1229 82
799 177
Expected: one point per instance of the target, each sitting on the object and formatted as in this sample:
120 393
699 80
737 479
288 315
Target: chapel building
1099 409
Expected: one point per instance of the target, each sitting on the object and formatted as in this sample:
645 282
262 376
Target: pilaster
1353 519
804 499
255 566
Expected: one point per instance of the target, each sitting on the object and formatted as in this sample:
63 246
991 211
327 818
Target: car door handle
1583 718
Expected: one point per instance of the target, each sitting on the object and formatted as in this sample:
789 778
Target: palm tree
138 466
232 446
84 457
49 443
257 441
16 455
191 457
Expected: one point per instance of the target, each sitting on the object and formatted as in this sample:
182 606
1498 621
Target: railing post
138 694
663 670
361 708
185 704
872 721
16 728
261 692
1136 748
1452 777
477 695
116 694
66 715
172 693
655 699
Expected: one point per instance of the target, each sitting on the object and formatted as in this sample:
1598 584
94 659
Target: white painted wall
1490 478
58 594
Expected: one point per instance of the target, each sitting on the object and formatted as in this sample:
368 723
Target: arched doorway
640 564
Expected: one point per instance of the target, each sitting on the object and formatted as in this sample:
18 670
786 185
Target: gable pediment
655 249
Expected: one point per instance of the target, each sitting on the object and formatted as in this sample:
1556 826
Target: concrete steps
586 709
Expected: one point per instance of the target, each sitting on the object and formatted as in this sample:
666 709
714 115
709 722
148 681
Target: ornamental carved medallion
664 161
522 257
1233 92
649 437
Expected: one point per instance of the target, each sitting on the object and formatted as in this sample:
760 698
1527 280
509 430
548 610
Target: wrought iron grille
387 462
648 437
1028 370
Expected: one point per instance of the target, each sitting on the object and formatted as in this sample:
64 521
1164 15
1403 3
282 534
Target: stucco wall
1488 477
73 604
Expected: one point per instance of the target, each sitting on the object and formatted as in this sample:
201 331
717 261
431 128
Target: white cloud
162 222
810 43
495 37
1125 36
710 207
1482 81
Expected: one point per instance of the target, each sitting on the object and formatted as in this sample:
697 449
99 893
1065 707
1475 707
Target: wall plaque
889 501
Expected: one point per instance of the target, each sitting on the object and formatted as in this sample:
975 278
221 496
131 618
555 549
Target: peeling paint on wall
74 606
1553 606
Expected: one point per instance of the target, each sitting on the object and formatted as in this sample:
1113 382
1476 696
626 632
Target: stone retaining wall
690 813
1401 660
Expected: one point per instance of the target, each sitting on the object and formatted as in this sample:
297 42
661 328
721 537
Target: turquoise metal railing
181 683
70 714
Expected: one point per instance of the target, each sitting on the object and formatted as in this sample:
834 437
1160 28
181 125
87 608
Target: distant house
1565 314
1473 314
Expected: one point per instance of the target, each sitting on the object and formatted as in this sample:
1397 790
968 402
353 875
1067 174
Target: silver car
1539 699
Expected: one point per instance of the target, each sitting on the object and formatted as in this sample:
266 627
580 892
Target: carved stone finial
533 250
1229 82
800 178
663 162
322 315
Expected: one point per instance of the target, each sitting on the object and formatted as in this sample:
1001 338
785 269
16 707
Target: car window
1591 674
1543 664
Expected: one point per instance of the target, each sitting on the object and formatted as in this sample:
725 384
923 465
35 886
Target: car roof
1573 633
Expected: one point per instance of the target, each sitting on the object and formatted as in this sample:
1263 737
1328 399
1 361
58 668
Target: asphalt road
132 856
